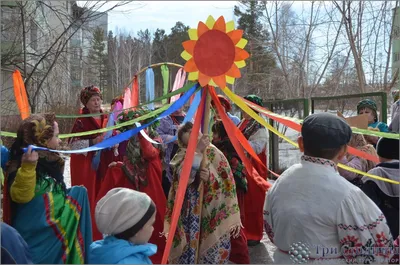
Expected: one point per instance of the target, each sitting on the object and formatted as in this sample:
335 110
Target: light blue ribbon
128 134
150 87
190 114
97 156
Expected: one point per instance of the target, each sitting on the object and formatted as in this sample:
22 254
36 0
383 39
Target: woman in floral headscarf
83 170
53 220
205 227
228 108
239 252
257 137
358 141
141 170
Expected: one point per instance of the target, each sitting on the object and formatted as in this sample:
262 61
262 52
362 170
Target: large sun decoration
214 53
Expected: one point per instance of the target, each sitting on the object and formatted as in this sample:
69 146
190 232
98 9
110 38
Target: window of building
76 53
396 57
34 35
396 32
75 75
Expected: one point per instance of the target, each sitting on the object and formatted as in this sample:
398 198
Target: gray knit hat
121 209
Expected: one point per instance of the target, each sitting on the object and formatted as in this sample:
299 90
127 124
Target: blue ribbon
128 134
190 114
150 87
97 156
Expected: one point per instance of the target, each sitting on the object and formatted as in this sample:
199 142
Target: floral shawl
236 164
219 214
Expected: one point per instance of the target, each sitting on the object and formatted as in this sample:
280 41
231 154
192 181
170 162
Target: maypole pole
214 54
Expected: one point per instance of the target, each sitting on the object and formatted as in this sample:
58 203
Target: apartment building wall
46 22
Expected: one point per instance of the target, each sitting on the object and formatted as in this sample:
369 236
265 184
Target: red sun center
214 53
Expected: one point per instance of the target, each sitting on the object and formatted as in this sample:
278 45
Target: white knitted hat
120 209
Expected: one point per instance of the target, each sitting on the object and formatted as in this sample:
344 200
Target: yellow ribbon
367 175
235 99
355 130
241 104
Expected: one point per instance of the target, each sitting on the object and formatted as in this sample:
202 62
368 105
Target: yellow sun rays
214 53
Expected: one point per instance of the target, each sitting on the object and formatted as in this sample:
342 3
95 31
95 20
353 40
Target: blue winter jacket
117 251
14 249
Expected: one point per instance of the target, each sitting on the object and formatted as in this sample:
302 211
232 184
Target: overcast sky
139 15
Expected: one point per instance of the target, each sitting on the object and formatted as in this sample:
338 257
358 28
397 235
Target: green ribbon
375 133
127 123
176 92
354 130
165 77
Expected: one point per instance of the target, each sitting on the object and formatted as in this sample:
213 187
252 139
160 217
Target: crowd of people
119 207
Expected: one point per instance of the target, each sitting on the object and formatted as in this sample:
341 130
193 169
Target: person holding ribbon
357 141
386 194
167 131
83 171
140 170
368 107
53 220
209 216
239 252
228 108
257 137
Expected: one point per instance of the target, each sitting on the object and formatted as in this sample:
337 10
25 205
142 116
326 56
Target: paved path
262 253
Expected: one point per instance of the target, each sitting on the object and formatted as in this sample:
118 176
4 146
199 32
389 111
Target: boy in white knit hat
126 218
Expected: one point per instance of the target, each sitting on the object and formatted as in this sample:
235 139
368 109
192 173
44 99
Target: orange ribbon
135 92
239 140
297 127
184 178
20 95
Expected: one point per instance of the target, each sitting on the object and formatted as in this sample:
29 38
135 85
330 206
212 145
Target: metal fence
283 154
347 104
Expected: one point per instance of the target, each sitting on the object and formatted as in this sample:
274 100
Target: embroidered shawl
219 208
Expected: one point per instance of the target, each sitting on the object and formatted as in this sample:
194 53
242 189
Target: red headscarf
88 92
225 103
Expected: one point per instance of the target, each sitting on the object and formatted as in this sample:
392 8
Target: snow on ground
289 154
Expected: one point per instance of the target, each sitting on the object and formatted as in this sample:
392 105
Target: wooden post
204 162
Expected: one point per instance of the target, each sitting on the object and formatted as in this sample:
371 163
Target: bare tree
369 34
294 42
52 46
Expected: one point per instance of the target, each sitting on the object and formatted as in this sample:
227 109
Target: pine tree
98 60
261 61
